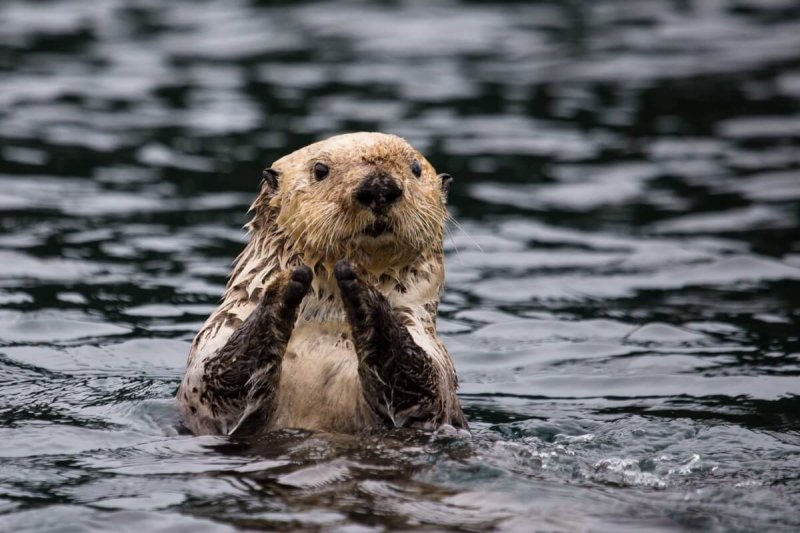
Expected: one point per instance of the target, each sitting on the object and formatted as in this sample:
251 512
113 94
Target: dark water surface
622 302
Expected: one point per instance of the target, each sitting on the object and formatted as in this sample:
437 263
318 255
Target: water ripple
622 288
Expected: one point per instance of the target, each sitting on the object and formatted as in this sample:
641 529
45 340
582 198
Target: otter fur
328 321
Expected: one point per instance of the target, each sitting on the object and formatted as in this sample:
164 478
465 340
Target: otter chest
319 383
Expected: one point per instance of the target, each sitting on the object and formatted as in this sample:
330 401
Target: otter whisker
452 240
461 228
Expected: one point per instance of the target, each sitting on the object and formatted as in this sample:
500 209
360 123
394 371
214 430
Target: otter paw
351 290
344 271
346 278
297 288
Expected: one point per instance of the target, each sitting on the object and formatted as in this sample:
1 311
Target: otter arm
241 380
401 382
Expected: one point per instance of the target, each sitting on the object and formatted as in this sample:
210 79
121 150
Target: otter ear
270 176
447 180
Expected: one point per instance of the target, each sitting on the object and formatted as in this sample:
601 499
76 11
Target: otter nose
378 192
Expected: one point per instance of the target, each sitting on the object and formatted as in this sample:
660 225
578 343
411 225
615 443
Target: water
621 303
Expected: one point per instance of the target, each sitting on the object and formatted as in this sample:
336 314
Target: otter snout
378 192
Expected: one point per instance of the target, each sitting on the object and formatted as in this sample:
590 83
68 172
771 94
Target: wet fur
322 326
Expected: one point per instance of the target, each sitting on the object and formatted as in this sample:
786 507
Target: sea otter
328 321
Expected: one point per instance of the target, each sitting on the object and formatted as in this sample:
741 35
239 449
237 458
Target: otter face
367 192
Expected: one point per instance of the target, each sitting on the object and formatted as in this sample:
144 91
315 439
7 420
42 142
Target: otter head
367 197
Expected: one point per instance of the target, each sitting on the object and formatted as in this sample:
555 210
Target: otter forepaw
281 301
245 374
348 281
297 288
355 293
344 271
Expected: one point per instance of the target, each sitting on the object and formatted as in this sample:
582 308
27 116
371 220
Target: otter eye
321 171
416 169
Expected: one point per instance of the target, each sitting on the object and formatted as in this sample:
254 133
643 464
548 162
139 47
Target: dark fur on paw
356 294
298 286
344 271
347 279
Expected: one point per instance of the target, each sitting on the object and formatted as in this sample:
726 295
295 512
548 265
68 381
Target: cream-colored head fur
322 219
